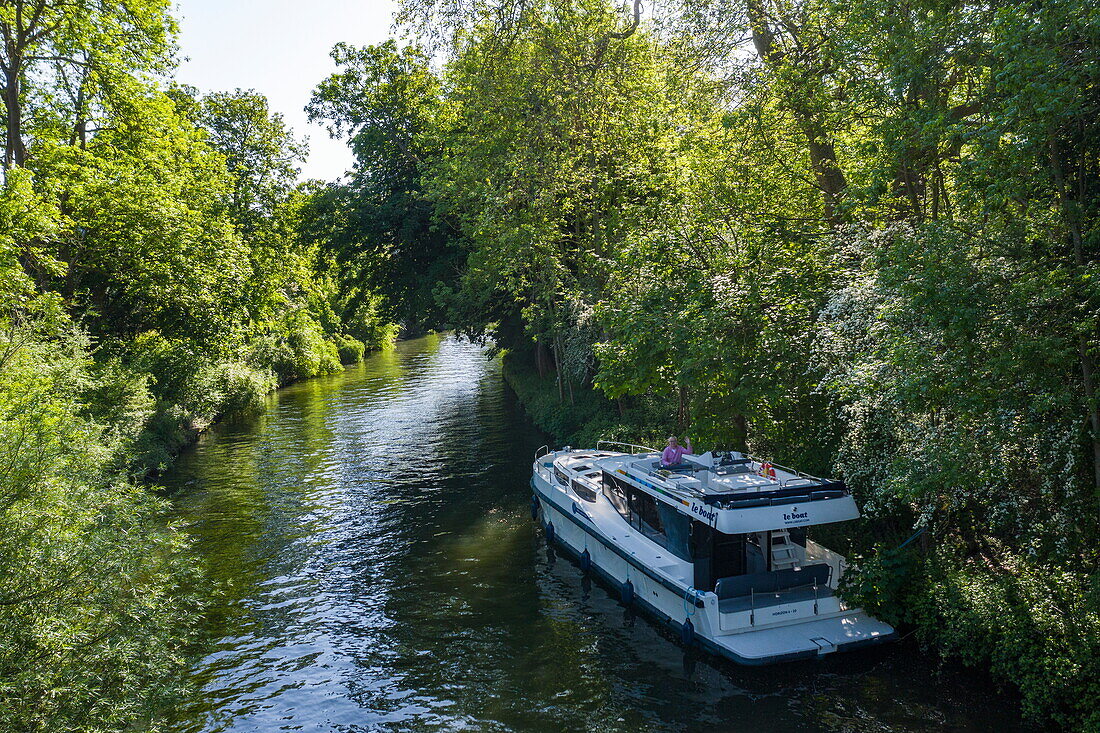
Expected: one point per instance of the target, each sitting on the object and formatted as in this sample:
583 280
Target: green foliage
1033 626
95 629
298 349
951 364
381 226
591 417
231 389
146 247
884 580
260 153
868 246
351 350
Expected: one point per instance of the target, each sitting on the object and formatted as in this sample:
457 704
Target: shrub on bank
229 388
311 351
297 349
351 350
95 630
540 399
1034 628
168 429
365 323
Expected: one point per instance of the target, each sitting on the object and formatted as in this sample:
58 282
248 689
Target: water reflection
380 571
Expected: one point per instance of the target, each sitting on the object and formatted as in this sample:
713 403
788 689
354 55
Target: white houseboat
716 548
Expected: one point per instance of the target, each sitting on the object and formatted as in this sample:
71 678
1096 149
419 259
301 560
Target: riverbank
585 415
1033 630
103 600
171 428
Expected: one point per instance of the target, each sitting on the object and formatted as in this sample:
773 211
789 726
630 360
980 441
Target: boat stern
804 640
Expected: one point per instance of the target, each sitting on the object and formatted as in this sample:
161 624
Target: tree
146 246
260 152
81 46
381 226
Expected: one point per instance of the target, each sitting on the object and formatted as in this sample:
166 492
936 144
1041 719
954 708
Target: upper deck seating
782 495
736 592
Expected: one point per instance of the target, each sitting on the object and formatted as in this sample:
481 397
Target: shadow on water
377 568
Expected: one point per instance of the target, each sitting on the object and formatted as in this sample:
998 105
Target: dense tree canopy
860 237
380 224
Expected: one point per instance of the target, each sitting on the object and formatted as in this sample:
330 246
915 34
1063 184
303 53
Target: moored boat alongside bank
716 548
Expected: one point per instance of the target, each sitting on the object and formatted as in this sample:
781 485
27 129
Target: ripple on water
379 571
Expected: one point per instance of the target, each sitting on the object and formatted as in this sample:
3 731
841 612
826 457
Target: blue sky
280 49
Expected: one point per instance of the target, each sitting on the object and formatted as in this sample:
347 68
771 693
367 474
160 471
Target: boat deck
737 483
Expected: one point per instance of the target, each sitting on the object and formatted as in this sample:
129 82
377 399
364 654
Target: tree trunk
682 421
741 432
830 179
14 151
80 125
557 368
541 358
827 173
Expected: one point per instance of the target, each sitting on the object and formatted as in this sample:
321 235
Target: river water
374 567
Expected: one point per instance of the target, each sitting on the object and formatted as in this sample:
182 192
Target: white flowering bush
956 380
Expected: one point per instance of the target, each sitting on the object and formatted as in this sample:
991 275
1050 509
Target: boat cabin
740 522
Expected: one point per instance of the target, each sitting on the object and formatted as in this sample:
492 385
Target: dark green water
376 568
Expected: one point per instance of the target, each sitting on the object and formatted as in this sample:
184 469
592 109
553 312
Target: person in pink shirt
672 455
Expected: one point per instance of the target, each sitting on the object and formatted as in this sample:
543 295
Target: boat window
615 491
677 526
583 490
645 511
644 515
730 554
560 475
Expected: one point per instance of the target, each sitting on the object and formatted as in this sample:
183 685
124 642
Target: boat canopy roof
727 479
732 492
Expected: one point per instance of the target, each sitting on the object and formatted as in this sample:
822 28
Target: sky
280 49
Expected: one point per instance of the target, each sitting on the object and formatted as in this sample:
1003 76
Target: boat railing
784 596
787 469
816 553
632 448
542 470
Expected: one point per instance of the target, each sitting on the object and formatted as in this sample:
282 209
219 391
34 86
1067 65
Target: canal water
373 566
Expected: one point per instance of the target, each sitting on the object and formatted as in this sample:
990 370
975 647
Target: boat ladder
783 550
